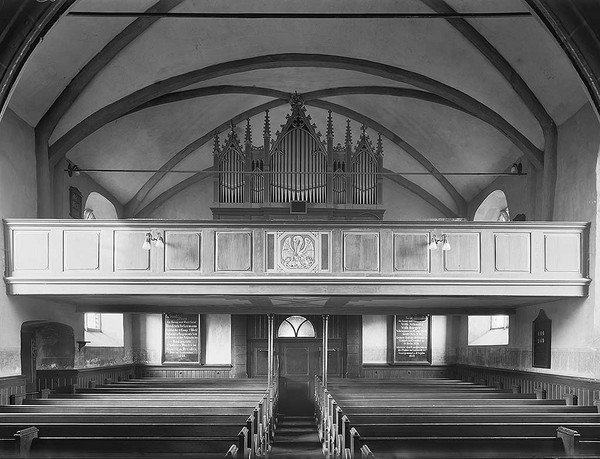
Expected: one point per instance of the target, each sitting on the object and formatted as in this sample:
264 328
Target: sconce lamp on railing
435 241
158 241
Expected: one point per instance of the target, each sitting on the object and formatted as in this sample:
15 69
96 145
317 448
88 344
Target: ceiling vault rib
530 100
132 206
393 137
158 201
63 102
134 203
169 193
116 109
495 58
422 193
319 94
19 36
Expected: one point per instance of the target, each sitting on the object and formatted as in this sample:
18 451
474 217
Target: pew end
232 452
23 440
569 438
365 452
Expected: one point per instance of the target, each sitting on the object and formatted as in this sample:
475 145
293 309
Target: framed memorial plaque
542 335
75 203
412 343
181 338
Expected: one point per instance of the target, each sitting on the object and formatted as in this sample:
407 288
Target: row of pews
435 418
151 418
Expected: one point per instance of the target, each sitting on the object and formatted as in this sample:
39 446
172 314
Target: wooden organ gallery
184 279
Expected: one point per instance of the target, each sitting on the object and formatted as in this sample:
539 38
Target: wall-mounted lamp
433 245
517 168
73 170
158 241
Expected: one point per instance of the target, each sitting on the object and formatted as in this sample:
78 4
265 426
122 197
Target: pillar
270 349
325 348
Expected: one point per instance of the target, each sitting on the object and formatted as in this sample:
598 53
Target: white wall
18 199
575 322
377 344
148 338
218 339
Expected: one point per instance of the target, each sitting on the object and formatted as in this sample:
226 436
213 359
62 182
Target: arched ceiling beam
523 91
22 26
147 210
64 101
392 137
116 109
211 91
133 204
318 94
422 193
168 194
494 58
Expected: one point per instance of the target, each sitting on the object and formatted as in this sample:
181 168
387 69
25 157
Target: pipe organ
297 165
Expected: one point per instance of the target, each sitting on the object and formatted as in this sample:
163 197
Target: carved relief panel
298 252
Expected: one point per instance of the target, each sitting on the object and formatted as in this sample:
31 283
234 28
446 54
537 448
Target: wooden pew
552 407
91 429
464 447
171 409
185 418
456 416
465 429
441 420
108 409
98 447
580 442
17 443
150 402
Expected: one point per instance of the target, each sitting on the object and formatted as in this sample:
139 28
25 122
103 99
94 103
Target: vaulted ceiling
469 93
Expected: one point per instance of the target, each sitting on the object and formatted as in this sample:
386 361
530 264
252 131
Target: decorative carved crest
298 252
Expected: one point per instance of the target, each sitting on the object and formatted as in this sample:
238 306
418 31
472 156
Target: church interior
341 229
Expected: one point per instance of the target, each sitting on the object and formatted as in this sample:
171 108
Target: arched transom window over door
296 327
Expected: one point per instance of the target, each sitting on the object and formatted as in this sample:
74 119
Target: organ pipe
300 166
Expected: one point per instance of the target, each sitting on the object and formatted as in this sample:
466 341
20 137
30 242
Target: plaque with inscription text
181 334
542 339
411 339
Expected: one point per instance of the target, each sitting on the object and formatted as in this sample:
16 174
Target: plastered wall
84 183
148 338
377 343
575 322
18 199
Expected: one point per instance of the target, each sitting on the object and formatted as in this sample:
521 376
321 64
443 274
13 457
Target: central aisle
296 436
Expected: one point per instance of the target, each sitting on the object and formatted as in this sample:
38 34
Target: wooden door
28 359
298 365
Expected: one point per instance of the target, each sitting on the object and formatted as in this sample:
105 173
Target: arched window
494 208
296 327
97 206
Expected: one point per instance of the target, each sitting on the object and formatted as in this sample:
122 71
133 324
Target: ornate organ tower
298 172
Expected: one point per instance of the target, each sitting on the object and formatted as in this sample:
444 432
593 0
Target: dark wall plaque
75 203
412 339
542 334
181 338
